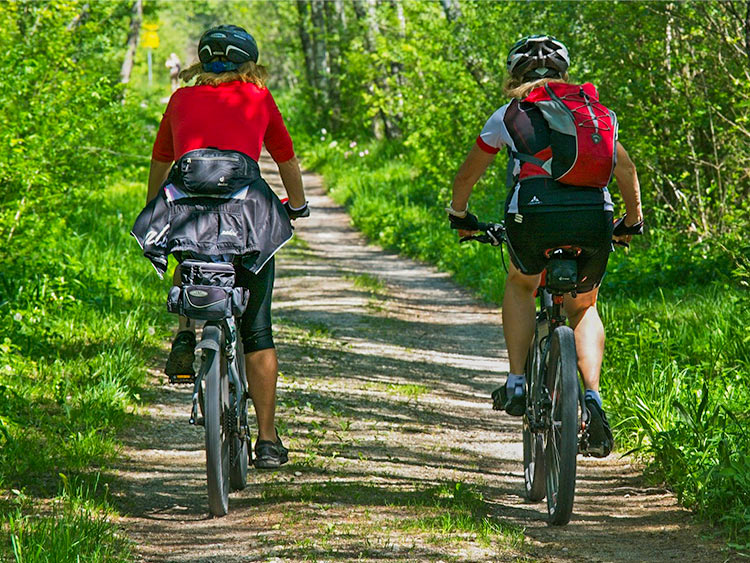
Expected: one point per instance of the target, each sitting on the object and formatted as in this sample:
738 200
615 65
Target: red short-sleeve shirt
232 116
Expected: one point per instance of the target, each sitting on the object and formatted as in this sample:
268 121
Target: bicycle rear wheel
533 442
561 440
239 463
217 439
239 450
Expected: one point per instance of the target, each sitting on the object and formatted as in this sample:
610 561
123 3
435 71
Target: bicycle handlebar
494 234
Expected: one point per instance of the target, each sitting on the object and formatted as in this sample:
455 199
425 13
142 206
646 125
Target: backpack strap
523 157
511 178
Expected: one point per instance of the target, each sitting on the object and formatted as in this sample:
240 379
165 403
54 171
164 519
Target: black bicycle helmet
538 56
232 43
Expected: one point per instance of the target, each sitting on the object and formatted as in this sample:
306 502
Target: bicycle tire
216 399
561 440
533 442
240 446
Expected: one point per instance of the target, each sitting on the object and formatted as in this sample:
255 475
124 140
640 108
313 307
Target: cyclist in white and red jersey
540 214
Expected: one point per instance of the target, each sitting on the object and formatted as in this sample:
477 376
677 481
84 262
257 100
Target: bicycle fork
210 344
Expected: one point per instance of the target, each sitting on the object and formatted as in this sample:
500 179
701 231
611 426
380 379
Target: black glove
468 222
622 229
296 213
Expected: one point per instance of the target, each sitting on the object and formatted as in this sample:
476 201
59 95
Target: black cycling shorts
588 229
255 327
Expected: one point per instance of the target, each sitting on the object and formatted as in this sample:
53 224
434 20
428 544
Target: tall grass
77 527
676 375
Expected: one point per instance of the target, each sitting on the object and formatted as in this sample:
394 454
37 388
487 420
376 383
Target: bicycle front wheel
561 440
217 438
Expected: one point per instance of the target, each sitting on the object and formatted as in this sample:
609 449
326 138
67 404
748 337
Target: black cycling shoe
180 360
600 440
270 455
515 405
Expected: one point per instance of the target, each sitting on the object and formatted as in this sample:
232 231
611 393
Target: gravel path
395 452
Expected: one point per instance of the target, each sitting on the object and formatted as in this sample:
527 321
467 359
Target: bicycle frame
550 315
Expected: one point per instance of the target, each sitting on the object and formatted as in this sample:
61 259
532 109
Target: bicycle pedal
182 378
498 402
200 421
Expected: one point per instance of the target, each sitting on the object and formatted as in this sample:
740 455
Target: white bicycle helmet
538 56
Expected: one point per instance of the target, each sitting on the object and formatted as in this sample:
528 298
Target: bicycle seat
567 251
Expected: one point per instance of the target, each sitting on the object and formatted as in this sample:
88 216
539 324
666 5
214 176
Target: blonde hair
517 88
247 72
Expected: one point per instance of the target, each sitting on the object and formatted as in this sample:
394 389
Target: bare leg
262 371
589 333
518 316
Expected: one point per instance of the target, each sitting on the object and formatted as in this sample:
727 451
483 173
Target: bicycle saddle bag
213 172
562 275
207 292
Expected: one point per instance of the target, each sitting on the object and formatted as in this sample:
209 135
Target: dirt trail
387 369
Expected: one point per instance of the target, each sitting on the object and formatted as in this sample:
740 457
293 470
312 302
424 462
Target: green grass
448 512
79 321
461 512
76 527
412 391
367 282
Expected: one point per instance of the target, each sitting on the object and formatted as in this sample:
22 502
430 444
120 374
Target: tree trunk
136 18
452 11
367 16
334 26
320 55
304 37
80 18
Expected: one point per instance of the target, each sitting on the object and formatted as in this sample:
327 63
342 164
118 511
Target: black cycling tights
255 329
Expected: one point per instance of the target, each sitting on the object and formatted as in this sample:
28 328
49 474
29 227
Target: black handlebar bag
213 172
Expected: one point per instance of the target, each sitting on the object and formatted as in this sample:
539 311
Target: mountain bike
220 394
556 419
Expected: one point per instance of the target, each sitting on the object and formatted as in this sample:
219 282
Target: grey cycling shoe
270 455
512 401
600 440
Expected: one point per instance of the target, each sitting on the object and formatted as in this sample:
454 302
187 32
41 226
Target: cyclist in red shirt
230 108
542 213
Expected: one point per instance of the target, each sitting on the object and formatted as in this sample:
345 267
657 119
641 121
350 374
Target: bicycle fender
210 339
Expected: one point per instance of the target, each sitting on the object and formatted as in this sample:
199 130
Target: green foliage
76 333
77 320
60 104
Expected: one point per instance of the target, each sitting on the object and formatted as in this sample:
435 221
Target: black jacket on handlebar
250 223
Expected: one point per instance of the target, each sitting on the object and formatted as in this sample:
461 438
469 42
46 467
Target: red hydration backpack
583 136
